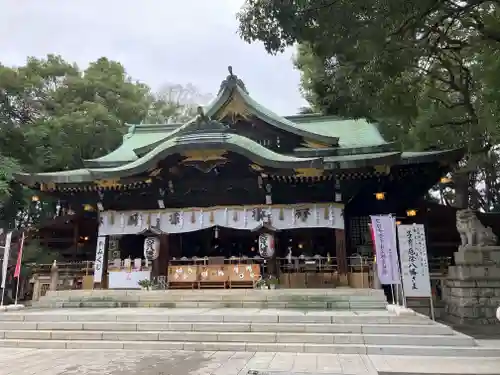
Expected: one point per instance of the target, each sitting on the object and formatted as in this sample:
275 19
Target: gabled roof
345 136
350 143
184 141
350 132
138 136
233 88
213 137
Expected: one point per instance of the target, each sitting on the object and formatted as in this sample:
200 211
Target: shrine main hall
207 192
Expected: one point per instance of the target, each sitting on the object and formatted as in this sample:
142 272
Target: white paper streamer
331 215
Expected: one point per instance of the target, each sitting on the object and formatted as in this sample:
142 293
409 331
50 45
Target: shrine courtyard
17 361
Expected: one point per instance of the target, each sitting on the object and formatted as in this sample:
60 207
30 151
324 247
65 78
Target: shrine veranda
201 197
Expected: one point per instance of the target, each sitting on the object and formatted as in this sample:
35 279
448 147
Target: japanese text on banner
386 249
99 259
414 263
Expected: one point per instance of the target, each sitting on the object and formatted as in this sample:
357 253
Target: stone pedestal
472 288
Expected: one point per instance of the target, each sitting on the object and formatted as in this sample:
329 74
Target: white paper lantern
151 248
266 245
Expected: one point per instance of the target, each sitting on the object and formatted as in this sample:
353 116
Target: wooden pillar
341 254
163 259
76 237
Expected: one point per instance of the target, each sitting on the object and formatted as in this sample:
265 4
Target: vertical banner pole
3 294
400 269
396 291
431 300
17 291
3 286
5 263
393 221
17 272
363 272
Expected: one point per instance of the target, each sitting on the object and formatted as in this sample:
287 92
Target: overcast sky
158 42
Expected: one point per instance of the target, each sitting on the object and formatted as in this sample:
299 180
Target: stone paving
93 362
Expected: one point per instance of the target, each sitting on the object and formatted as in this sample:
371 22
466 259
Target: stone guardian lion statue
472 231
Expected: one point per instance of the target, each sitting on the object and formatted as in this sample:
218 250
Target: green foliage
8 166
33 252
146 284
54 115
426 71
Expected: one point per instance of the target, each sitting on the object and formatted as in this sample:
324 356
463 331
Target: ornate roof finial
203 123
202 117
232 80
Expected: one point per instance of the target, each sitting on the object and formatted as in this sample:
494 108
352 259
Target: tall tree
53 115
419 68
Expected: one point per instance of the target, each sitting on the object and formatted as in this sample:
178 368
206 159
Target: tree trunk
461 180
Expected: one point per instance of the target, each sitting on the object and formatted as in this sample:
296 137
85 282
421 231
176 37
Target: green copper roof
391 158
344 136
234 86
242 145
350 132
228 141
138 136
352 143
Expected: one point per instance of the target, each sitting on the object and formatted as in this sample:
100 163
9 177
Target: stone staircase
236 329
321 299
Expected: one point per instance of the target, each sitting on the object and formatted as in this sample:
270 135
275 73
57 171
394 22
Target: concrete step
336 299
209 315
391 329
339 294
451 351
248 337
193 296
332 305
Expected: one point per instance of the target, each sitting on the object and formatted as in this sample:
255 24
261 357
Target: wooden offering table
182 276
222 276
243 275
213 276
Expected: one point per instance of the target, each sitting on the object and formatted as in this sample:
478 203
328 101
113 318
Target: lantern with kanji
151 248
266 245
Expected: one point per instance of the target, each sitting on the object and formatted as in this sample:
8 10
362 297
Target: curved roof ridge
216 140
232 141
244 146
232 84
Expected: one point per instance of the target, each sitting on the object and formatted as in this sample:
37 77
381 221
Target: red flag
17 271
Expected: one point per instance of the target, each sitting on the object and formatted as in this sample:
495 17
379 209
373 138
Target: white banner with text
384 233
414 262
